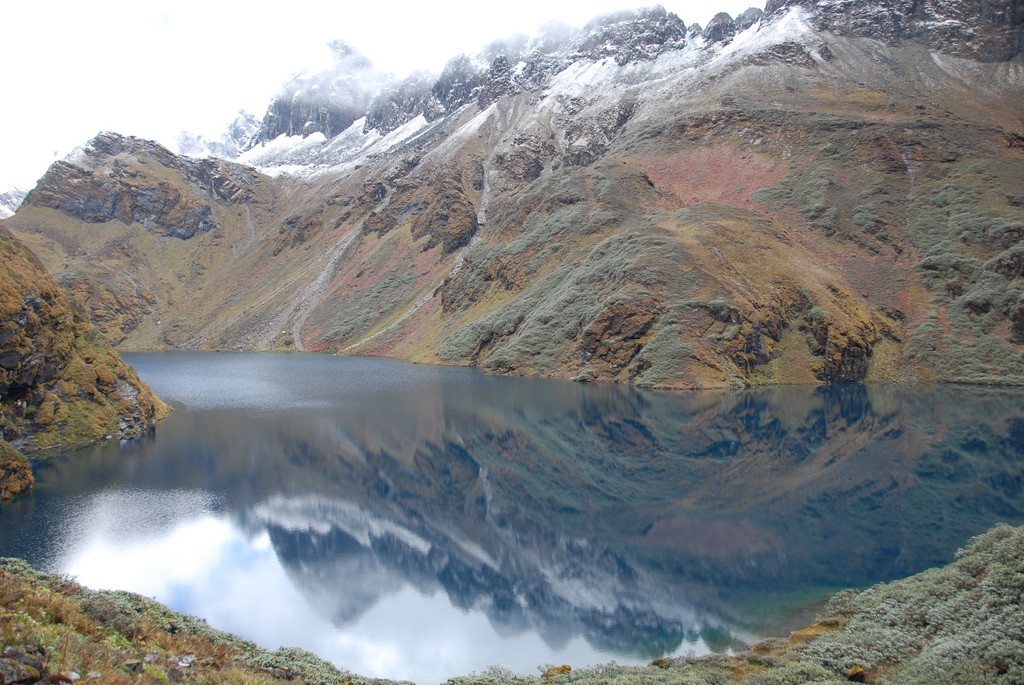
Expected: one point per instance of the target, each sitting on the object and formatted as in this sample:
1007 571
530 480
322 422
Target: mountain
327 102
976 29
822 192
240 135
10 200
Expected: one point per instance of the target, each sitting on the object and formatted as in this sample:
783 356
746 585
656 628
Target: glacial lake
415 522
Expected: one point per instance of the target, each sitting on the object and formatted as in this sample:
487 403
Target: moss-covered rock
15 472
60 381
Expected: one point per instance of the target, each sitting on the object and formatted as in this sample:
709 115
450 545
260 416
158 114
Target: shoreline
956 623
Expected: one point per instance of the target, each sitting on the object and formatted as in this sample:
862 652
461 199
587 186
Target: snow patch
791 27
402 134
78 156
454 140
315 154
10 200
282 150
582 78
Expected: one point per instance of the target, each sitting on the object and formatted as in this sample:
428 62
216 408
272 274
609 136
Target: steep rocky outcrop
630 37
720 29
748 17
409 98
160 207
327 102
108 186
986 30
815 194
60 382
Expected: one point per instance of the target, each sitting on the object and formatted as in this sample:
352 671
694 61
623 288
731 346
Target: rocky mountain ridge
794 201
160 208
10 200
504 68
976 29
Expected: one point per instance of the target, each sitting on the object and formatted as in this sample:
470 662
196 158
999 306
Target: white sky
153 68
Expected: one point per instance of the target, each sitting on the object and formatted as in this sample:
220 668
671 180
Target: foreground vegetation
958 624
54 630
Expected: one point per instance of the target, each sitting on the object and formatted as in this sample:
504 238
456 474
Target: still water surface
416 522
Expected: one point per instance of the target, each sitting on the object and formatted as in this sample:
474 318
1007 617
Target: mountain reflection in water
645 523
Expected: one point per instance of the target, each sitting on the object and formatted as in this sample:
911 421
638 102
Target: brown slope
818 209
793 224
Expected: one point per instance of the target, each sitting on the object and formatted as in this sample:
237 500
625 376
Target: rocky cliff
822 193
327 102
979 29
60 381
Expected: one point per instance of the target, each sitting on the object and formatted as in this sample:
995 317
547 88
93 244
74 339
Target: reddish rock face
618 335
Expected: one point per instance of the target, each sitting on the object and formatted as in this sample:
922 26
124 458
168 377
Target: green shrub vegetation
968 236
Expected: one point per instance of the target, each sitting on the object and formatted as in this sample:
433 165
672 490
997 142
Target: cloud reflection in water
417 522
207 565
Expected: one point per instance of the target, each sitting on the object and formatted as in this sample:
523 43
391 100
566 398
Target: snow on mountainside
330 102
508 67
816 194
986 30
239 136
10 200
327 102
